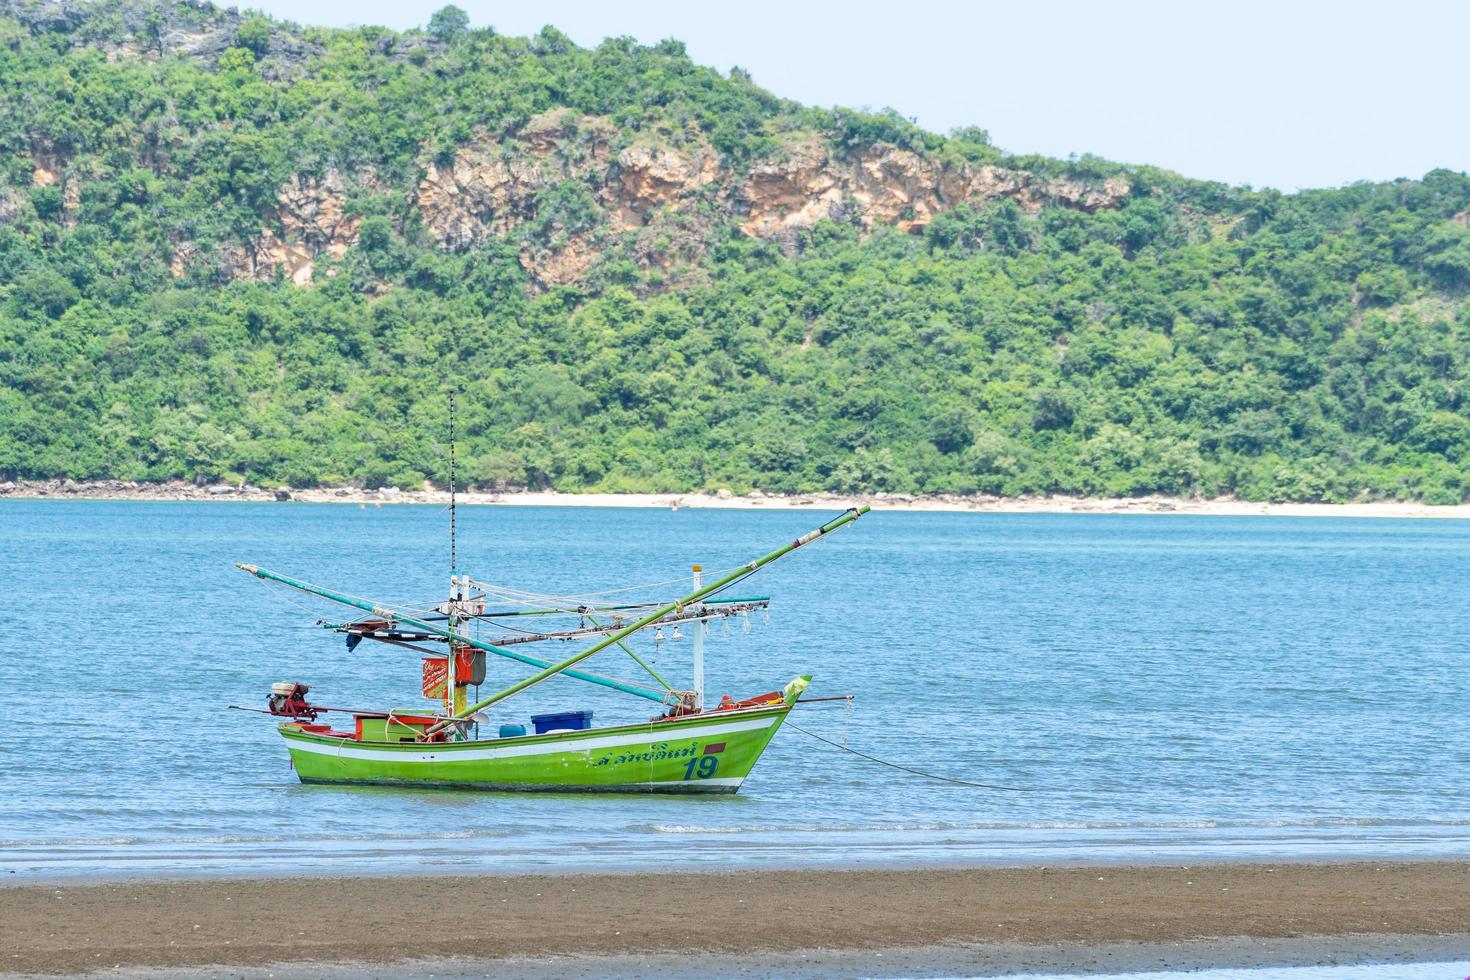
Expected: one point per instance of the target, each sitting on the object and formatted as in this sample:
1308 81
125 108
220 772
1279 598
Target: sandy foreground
723 499
768 922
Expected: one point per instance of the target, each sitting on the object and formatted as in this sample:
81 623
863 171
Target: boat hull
707 753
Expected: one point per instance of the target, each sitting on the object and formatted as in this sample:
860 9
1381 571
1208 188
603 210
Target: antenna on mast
454 692
453 556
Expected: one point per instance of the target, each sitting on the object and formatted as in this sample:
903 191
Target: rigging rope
522 597
640 662
916 772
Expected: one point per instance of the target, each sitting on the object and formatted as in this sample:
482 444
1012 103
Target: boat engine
288 699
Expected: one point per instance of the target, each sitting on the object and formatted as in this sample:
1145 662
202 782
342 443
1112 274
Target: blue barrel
512 731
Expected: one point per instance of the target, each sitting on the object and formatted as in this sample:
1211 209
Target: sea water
1367 971
1163 688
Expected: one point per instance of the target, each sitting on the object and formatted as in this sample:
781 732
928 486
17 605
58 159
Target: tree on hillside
254 34
448 23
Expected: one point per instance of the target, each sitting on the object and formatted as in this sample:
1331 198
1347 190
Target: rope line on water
916 772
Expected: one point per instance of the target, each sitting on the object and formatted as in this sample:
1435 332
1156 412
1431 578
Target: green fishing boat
687 747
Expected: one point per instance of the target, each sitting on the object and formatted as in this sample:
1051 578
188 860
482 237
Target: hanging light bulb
745 622
658 634
677 634
727 625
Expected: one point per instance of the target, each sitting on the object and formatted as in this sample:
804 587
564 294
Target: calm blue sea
1154 687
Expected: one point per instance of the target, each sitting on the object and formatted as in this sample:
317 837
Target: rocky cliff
494 185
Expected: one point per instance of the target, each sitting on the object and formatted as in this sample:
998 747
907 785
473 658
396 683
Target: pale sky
1281 94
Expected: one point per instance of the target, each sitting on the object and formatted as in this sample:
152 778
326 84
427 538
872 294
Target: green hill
233 248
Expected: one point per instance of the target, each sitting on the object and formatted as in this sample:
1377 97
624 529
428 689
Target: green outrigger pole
662 697
677 605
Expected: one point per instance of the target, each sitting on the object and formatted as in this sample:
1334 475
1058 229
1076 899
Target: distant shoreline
934 503
852 921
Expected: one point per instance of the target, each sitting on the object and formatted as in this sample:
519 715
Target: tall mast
454 695
453 555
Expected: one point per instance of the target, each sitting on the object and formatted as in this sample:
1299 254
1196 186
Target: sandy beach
490 923
721 499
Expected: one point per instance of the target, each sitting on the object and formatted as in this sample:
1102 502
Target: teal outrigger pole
551 670
662 697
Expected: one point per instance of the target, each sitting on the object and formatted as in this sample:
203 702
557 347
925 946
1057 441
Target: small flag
714 748
436 677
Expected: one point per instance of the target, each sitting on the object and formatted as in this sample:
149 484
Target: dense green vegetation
1196 340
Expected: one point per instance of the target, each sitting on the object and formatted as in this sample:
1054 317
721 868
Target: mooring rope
916 772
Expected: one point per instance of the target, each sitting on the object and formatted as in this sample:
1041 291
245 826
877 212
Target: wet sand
959 960
924 918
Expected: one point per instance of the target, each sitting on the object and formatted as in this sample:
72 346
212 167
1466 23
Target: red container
469 668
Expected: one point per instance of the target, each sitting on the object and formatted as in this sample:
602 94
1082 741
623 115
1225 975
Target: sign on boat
688 747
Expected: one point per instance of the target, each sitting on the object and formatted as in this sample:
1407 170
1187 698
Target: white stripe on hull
349 750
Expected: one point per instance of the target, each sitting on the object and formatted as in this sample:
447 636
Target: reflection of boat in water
688 748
